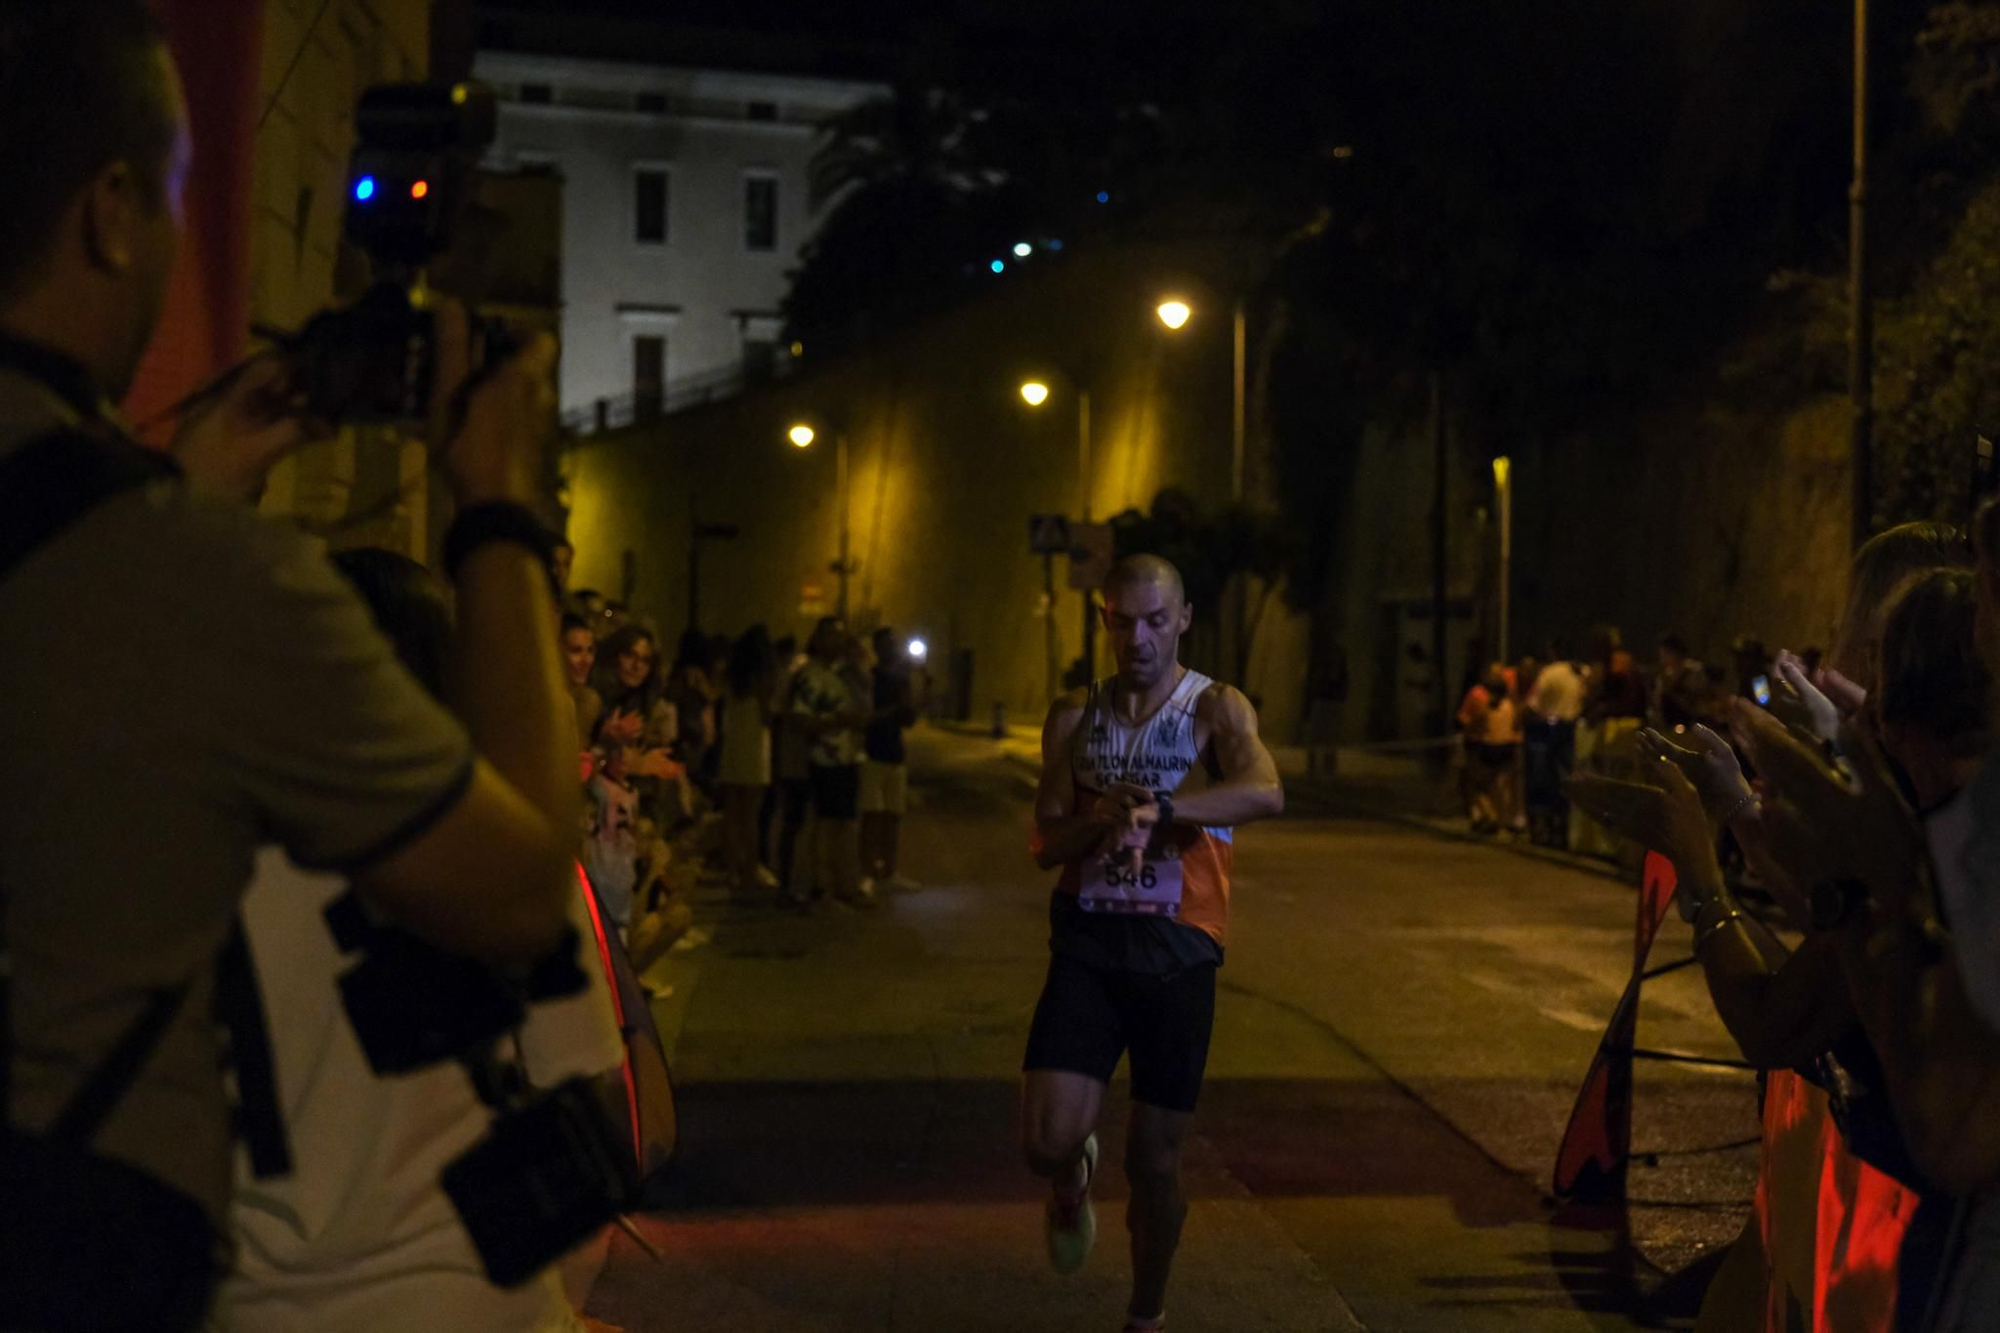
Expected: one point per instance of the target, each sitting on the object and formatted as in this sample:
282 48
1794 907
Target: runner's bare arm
1063 834
1250 789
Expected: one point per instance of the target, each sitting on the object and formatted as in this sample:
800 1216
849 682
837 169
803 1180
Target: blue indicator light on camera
364 189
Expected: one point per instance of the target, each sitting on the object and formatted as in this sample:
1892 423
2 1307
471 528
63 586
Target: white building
685 209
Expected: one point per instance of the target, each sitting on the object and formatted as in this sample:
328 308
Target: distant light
1055 245
1034 393
1104 196
998 266
1502 468
1344 151
1022 249
1173 314
420 189
798 349
800 435
919 650
364 189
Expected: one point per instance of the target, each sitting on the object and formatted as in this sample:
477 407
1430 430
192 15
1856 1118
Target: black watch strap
499 521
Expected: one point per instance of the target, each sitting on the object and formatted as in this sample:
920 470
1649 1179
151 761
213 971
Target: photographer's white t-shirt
361 1235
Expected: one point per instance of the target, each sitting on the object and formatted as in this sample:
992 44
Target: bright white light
1173 314
1022 249
800 435
1034 393
919 650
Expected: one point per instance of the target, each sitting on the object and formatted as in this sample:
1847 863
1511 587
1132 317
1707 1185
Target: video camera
554 1167
414 168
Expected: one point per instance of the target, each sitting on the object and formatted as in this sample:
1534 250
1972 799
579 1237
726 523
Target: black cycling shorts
836 790
1088 1017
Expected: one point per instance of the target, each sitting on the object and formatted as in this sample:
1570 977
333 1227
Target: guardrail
638 409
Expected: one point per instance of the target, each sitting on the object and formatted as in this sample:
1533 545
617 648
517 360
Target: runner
1143 777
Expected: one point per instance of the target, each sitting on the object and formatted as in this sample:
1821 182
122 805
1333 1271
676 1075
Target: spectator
1548 748
1492 750
751 676
256 704
691 689
885 771
827 705
360 1234
579 656
1613 711
1679 697
790 747
636 711
563 560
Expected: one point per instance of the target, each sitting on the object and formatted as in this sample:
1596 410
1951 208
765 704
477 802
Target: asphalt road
1402 1025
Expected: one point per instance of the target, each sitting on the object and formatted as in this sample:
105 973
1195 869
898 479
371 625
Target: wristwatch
1165 801
1835 900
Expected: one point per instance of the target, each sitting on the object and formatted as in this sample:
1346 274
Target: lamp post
1503 501
1175 313
802 435
1035 393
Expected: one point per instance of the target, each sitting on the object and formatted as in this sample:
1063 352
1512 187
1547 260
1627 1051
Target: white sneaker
1071 1223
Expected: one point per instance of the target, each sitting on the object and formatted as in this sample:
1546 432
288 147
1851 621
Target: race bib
1154 891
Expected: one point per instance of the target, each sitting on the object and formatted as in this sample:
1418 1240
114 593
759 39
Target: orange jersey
1185 875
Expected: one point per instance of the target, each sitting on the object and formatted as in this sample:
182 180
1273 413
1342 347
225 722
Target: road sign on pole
1048 534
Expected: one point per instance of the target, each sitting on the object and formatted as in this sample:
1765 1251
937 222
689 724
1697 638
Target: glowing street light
1173 314
1034 393
1022 249
919 650
800 435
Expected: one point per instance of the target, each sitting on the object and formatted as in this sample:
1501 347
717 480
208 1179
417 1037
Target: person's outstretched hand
493 428
1709 765
1664 813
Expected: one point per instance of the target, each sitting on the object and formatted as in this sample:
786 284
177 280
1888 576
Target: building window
649 199
761 111
539 94
760 212
654 104
649 375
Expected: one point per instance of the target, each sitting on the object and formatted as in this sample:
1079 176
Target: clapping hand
1663 813
1827 823
1709 765
1824 715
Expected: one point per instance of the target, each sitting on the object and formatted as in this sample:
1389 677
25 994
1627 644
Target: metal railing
638 409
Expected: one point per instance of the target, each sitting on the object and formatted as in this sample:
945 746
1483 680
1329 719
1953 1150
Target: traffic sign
1048 534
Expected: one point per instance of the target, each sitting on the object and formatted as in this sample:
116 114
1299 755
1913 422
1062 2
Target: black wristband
1165 801
499 521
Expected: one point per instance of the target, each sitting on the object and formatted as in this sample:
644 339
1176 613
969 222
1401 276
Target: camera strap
48 484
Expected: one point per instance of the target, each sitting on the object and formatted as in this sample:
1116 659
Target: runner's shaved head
1138 571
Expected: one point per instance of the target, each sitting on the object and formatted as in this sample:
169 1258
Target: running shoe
1071 1223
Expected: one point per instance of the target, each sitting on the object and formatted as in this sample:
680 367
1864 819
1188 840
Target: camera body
416 156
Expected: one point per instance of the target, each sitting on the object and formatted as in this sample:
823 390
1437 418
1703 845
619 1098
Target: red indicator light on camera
420 189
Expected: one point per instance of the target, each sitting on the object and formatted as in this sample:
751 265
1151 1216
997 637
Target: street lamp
802 434
1173 314
1034 393
1503 494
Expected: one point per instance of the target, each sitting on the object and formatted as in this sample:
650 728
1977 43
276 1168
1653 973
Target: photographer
250 701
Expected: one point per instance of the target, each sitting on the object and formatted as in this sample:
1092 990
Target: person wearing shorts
827 707
885 769
1144 778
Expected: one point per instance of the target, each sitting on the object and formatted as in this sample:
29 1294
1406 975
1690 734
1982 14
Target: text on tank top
1185 874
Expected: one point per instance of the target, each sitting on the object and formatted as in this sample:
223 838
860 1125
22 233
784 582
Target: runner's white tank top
1187 877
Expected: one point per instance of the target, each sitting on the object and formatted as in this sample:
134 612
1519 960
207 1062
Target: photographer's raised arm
491 877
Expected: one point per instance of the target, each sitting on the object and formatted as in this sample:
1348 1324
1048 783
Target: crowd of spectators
1856 958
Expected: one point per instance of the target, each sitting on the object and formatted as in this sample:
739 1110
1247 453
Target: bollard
999 720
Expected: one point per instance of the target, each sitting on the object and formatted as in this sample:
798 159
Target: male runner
1143 777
